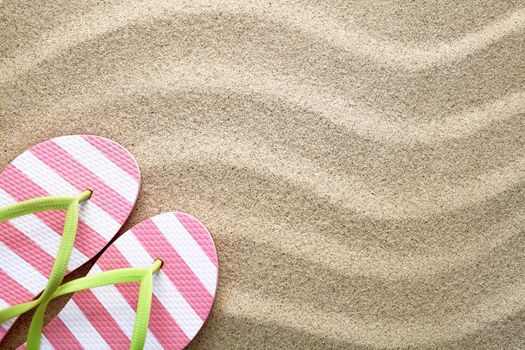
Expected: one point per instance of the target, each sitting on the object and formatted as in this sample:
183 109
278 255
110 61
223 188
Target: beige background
360 164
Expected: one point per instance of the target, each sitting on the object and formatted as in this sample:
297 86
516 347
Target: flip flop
181 293
63 168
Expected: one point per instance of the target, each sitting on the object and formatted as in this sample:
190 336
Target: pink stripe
60 336
130 292
13 292
18 185
174 267
101 319
116 153
21 245
77 175
22 188
87 241
113 259
18 190
164 327
96 313
200 234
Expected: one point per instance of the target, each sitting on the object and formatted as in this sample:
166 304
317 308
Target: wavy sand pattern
361 165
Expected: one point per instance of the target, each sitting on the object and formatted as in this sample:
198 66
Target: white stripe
190 251
133 251
8 323
151 342
45 177
96 162
81 328
173 301
37 231
21 271
45 344
168 295
3 304
118 307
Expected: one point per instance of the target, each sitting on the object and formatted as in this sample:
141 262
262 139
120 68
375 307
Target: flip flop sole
61 166
183 290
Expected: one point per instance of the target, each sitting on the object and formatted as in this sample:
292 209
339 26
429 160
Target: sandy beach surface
360 164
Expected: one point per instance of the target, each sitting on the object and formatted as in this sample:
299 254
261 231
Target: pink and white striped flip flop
65 165
183 289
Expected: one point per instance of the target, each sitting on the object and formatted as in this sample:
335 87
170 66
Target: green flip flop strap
125 275
71 205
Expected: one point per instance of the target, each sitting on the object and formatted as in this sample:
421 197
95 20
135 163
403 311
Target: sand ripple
365 192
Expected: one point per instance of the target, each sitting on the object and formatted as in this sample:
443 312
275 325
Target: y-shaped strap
126 275
71 204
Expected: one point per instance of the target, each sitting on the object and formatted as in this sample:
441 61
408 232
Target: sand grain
360 165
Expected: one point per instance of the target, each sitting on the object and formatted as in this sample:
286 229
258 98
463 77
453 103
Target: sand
360 165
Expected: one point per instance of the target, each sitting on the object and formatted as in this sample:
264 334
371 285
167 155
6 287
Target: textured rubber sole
183 290
61 166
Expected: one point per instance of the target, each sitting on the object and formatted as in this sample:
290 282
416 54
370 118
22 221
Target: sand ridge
360 165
